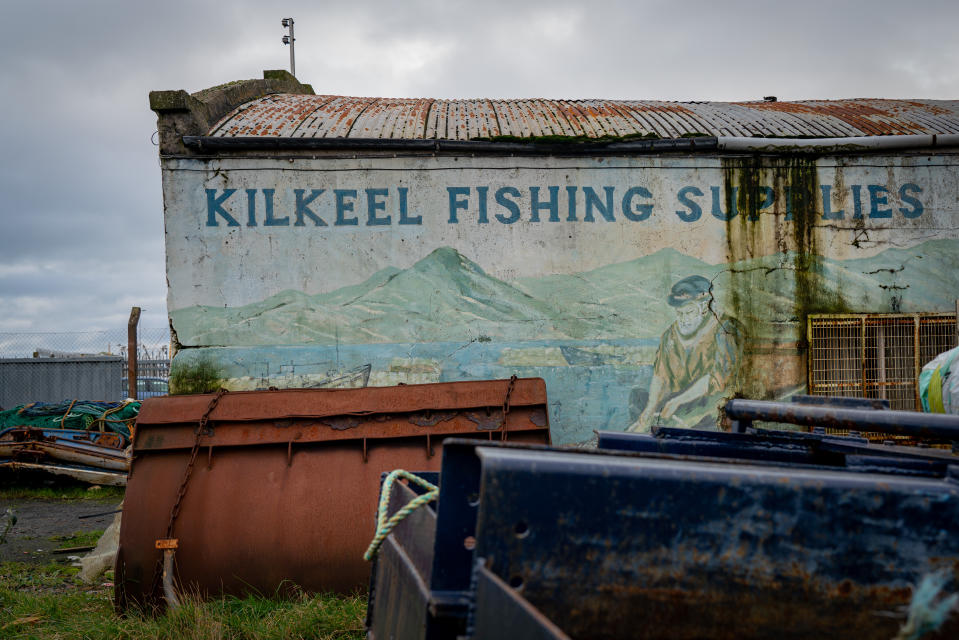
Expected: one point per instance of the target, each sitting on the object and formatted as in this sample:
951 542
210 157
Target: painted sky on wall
81 230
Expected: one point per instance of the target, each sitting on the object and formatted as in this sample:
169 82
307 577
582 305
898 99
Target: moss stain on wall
773 206
198 375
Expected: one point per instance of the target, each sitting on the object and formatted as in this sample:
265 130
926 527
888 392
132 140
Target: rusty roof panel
574 116
395 118
324 116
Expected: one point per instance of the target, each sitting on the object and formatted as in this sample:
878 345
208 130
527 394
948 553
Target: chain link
185 481
509 391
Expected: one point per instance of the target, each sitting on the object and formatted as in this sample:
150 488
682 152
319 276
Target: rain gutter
696 144
217 143
833 145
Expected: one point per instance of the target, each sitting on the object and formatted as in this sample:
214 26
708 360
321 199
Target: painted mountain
447 297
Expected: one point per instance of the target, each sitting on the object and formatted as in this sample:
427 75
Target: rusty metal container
285 483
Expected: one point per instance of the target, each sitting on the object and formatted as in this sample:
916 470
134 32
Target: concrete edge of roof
183 114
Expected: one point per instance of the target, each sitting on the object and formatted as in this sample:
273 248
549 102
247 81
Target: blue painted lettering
878 199
481 192
214 206
508 204
593 202
695 211
717 209
917 208
251 207
571 207
856 201
827 212
342 206
303 208
269 220
405 217
455 203
552 205
767 195
373 205
643 211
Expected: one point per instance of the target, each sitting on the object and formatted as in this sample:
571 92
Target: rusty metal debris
284 486
89 456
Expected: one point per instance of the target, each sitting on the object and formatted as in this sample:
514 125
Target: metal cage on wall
876 356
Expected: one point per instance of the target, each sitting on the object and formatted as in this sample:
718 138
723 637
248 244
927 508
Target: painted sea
591 384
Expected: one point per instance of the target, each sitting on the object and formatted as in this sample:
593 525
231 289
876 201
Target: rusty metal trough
284 487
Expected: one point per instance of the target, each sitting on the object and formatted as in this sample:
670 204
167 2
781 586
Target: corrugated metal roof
308 116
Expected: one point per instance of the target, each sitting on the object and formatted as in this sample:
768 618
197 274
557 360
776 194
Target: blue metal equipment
681 534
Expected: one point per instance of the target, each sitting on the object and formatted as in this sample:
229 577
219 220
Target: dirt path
40 520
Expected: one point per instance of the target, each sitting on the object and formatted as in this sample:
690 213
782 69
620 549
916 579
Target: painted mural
644 291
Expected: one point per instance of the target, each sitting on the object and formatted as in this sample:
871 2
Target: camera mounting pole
289 39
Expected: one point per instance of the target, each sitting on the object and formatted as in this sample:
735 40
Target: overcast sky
81 229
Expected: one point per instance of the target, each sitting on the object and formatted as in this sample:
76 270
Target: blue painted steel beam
907 423
781 447
630 546
617 544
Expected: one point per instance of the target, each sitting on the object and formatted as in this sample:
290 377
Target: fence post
132 351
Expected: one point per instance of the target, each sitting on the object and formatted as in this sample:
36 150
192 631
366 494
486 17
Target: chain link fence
83 365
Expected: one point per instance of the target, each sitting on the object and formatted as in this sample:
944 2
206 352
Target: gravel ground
40 520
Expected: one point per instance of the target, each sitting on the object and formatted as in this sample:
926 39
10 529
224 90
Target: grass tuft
47 602
199 376
78 539
27 489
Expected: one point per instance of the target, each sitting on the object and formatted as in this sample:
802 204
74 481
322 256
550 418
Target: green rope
384 525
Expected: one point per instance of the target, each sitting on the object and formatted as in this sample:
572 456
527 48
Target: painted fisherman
697 361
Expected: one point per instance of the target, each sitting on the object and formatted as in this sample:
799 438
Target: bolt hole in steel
521 529
473 499
516 582
469 543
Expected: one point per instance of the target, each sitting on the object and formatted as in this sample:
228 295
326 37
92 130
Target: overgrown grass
198 376
27 485
45 602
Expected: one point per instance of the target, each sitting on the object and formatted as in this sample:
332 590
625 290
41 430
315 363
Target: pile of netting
74 414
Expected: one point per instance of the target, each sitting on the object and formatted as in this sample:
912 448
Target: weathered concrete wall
643 289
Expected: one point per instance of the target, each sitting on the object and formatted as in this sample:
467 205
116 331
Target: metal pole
907 423
132 352
289 39
916 362
292 57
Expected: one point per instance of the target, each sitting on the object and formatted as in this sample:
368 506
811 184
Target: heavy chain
185 481
509 391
